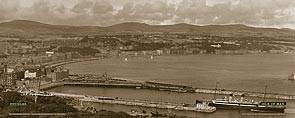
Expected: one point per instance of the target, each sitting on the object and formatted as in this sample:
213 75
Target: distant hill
32 28
24 27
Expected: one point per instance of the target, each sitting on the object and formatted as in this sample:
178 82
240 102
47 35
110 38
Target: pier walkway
96 81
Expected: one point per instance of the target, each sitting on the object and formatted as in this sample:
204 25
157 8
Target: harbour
251 94
232 72
131 82
159 89
109 84
118 83
147 59
161 96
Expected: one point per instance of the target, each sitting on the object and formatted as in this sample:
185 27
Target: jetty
91 80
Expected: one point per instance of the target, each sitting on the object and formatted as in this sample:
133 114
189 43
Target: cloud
47 12
147 12
8 9
102 7
250 12
97 12
83 7
272 13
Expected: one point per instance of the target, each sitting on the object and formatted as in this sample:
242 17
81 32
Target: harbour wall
170 88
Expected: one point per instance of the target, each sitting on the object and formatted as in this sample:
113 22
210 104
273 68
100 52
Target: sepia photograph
147 58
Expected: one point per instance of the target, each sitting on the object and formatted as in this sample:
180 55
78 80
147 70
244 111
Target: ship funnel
198 101
242 97
230 97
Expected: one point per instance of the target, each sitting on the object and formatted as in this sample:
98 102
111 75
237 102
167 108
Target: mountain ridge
27 27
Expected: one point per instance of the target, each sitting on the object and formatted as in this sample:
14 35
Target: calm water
241 72
161 96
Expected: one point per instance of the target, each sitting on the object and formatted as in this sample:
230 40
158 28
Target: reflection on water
242 72
161 96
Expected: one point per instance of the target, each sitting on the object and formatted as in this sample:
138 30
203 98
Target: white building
216 46
30 75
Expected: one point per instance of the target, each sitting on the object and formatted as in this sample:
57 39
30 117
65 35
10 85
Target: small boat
138 87
158 115
142 114
291 77
179 90
198 107
106 98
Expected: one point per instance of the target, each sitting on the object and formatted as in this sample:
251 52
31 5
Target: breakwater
64 62
105 81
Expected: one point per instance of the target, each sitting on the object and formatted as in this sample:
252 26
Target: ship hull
251 107
232 106
268 109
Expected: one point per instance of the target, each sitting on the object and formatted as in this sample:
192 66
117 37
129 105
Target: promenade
134 102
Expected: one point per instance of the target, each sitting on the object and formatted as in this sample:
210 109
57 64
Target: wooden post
36 97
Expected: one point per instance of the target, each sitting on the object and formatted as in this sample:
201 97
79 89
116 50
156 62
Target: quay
161 105
263 115
134 102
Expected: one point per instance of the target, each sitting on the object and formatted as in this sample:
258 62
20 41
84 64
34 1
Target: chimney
5 68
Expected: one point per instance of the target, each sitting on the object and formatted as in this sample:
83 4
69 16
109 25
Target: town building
7 77
8 80
58 74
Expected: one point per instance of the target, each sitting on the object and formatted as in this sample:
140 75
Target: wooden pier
114 85
96 81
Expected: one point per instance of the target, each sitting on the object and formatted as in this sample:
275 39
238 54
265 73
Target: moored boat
230 104
198 107
291 77
278 107
162 115
142 114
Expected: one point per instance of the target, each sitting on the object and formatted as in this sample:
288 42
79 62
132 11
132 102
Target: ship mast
264 93
216 85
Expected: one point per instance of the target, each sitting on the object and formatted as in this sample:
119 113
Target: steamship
230 103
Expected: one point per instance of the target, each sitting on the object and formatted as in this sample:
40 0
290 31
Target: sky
262 13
